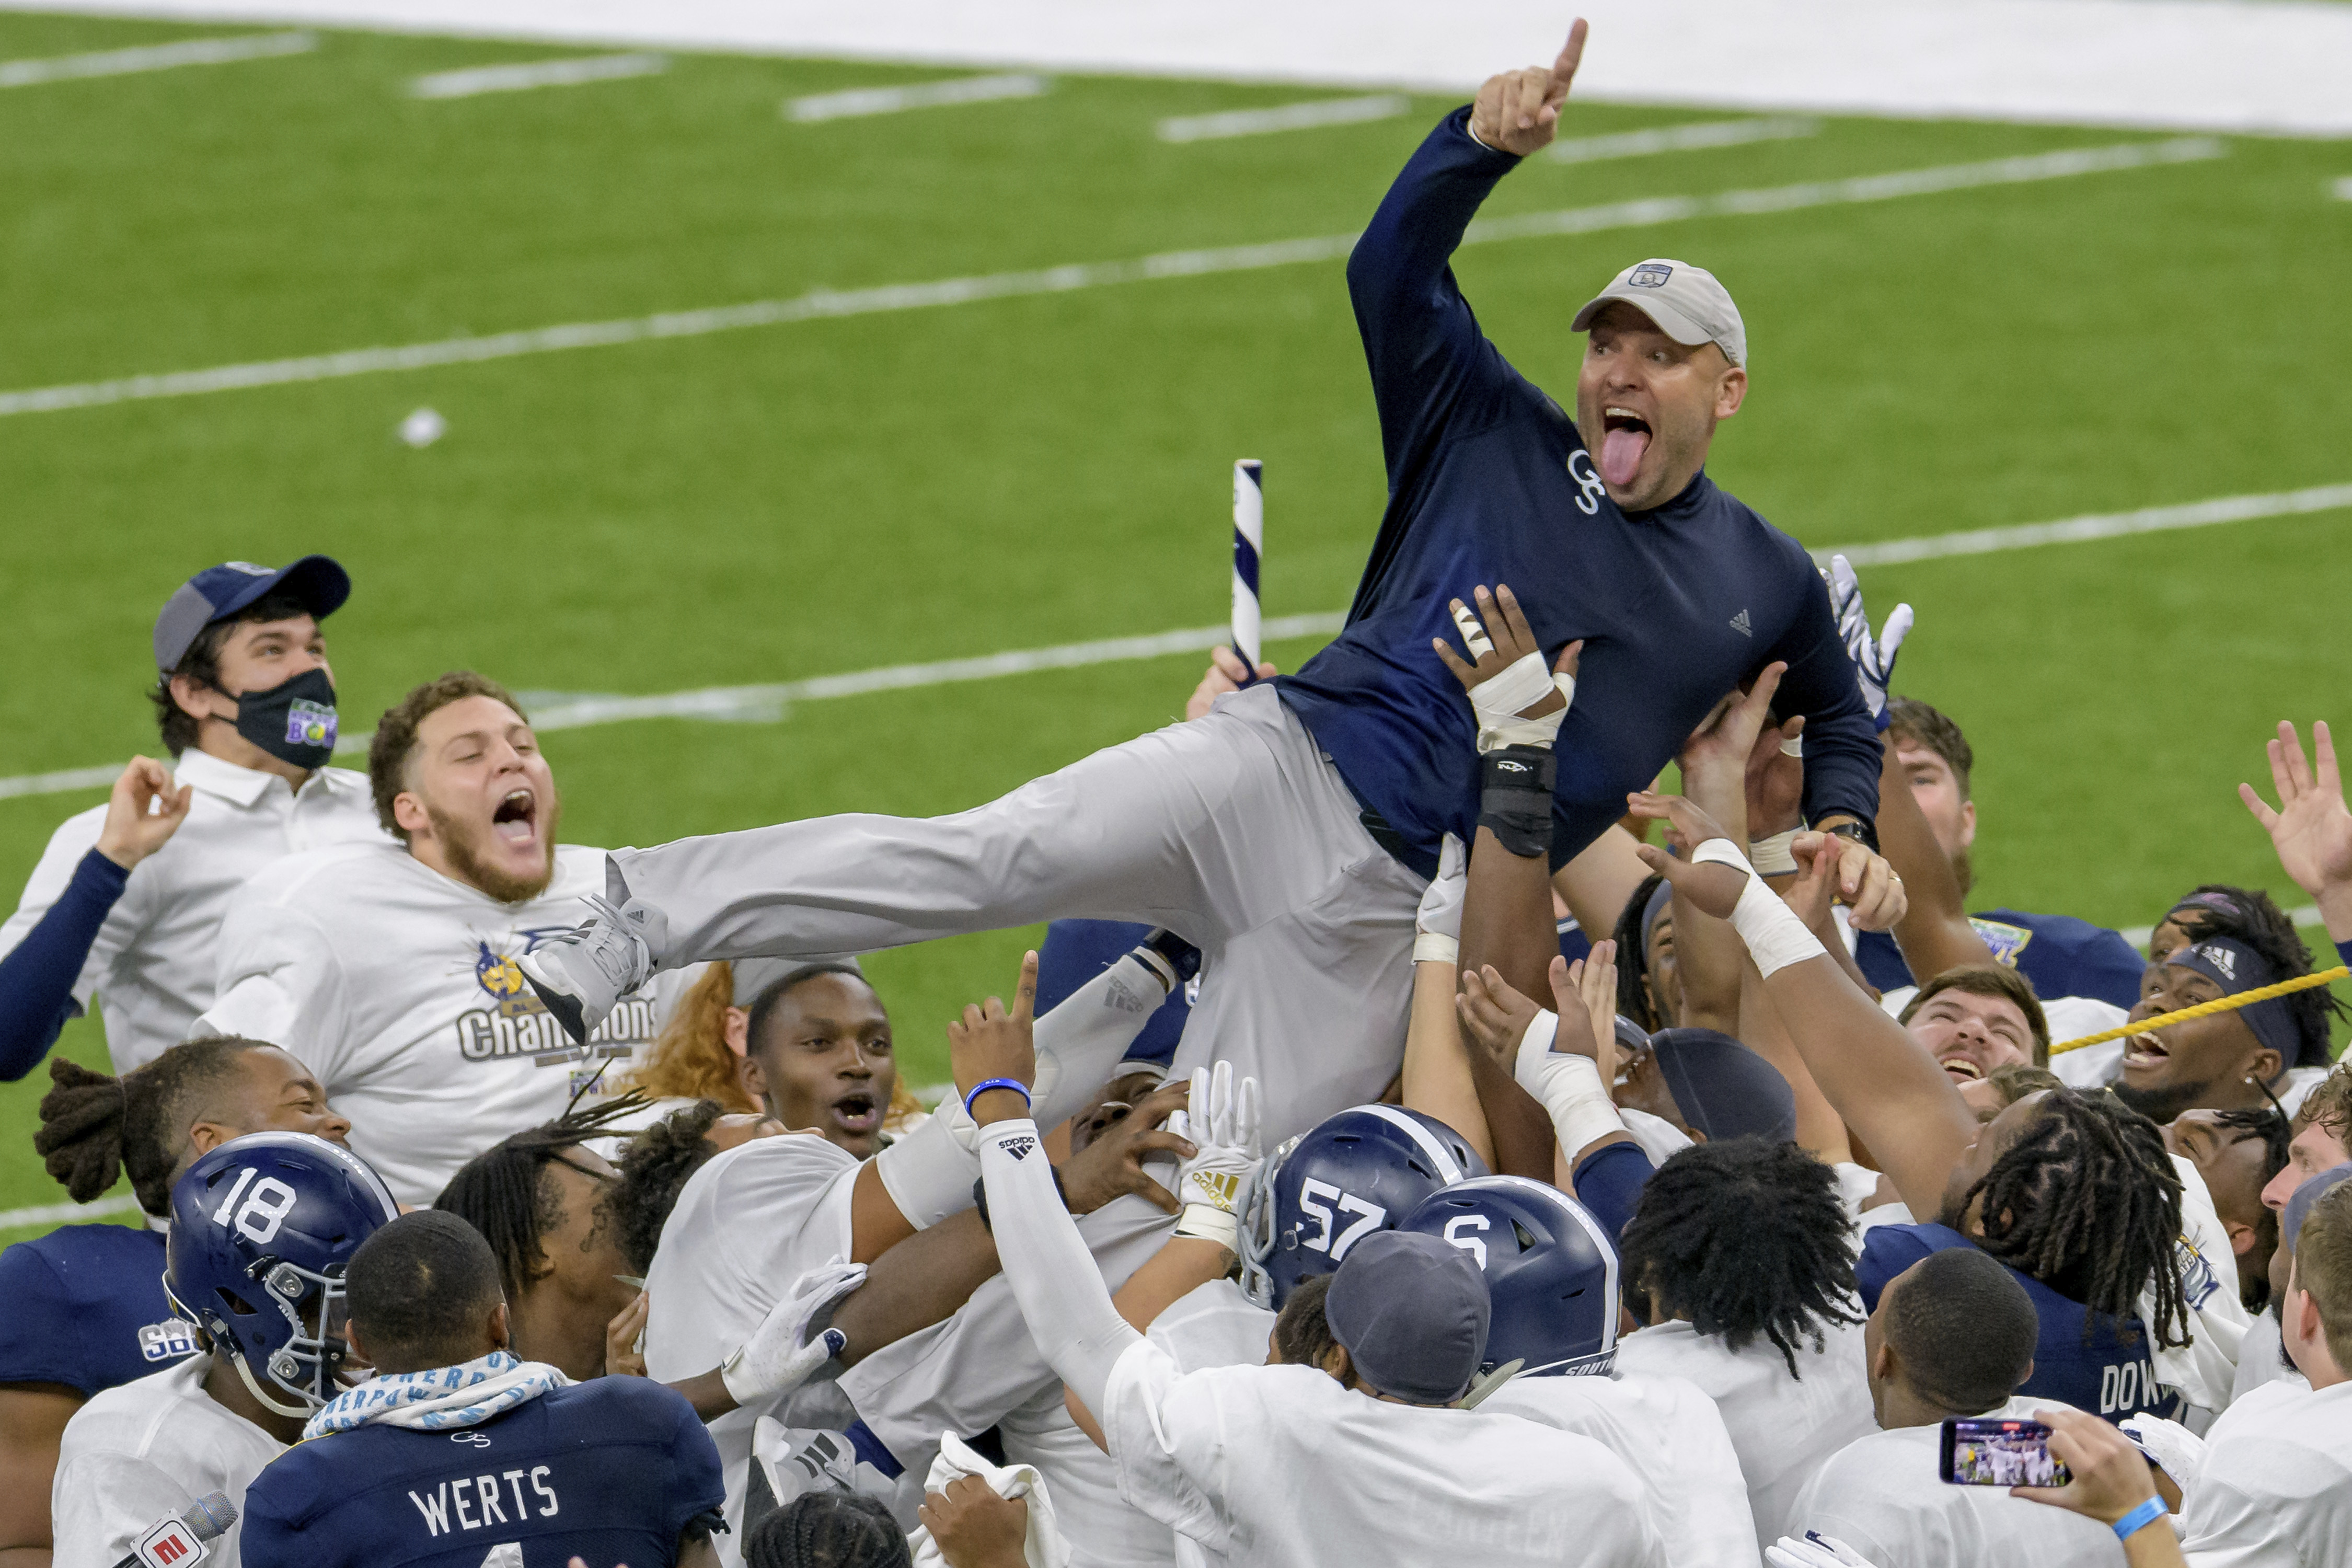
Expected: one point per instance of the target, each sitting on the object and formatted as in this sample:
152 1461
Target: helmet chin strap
245 1371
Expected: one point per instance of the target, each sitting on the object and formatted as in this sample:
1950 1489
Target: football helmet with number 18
262 1229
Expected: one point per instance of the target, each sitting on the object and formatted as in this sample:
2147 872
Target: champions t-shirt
611 1470
2061 955
2100 1374
84 1306
397 986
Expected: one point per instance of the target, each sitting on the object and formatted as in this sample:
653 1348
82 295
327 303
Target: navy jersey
611 1470
1489 481
84 1306
1074 951
2103 1375
2061 955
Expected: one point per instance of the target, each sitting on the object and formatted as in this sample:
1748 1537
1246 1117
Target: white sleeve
281 981
102 1503
76 837
1147 1432
2259 1502
1080 1041
929 1172
1047 1262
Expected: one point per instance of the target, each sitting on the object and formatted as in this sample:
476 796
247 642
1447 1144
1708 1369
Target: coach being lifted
1289 833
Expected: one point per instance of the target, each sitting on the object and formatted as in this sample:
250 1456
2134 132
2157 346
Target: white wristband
1776 938
1770 854
1568 1085
1204 1223
1436 947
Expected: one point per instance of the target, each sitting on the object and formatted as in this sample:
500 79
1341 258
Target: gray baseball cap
1410 1309
752 976
219 591
1685 301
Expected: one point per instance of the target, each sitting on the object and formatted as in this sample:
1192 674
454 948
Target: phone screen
1984 1452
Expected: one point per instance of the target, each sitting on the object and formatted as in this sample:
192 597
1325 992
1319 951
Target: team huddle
1418 1138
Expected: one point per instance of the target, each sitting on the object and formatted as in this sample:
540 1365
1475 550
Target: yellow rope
2204 1009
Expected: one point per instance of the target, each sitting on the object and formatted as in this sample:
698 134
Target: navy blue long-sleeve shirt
1490 482
37 977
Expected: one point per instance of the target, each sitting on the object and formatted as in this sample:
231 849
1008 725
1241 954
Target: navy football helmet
262 1230
1551 1273
1350 1174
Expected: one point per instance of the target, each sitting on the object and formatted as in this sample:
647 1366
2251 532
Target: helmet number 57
1310 1195
265 1208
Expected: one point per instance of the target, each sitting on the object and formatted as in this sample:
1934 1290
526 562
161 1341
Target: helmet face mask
1353 1173
1550 1268
263 1229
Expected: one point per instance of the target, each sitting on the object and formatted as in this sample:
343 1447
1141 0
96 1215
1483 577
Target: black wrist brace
1515 798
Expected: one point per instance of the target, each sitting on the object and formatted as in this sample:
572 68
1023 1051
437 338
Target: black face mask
293 721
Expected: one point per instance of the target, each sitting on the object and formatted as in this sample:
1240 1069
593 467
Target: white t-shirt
1279 1464
753 1220
141 1453
2204 1369
2277 1486
1882 1496
2261 1359
1782 1428
1103 1528
152 965
397 986
1671 1436
1213 1325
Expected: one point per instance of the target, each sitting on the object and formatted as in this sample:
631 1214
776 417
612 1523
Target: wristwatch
1861 833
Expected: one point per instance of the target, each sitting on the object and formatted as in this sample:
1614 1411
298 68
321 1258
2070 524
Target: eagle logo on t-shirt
498 974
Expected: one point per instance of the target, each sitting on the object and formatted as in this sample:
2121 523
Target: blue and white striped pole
1249 539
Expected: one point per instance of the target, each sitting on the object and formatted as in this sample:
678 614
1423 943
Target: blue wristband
2138 1518
984 1085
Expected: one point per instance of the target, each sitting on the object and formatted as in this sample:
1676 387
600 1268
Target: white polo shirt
397 986
139 1454
2276 1486
151 968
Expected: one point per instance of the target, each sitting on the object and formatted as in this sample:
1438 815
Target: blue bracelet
984 1085
2138 1518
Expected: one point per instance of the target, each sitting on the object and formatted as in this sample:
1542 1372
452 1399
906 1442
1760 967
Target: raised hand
1593 983
1220 1118
1227 672
1519 111
1775 778
1495 1014
1717 752
1517 702
142 813
622 1356
1712 889
991 1041
2311 829
974 1528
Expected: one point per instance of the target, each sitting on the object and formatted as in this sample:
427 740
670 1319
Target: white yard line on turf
1284 117
156 58
1679 138
66 1214
823 303
867 100
529 74
765 703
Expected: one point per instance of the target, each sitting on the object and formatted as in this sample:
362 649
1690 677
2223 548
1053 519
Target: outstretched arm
1881 1083
1825 684
2311 829
1934 932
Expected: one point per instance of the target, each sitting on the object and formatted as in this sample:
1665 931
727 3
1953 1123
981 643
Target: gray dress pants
1233 831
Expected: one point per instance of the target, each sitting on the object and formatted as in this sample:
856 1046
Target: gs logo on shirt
170 1339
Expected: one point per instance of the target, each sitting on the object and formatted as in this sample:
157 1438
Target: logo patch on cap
1649 275
248 568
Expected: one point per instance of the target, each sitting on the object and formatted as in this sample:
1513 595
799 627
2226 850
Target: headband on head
2198 903
1663 895
2237 968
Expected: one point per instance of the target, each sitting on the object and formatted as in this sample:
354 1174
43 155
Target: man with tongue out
1290 831
387 966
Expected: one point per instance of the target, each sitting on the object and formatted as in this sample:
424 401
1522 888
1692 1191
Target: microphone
179 1541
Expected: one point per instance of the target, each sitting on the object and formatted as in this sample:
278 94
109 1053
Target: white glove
1815 1551
779 1356
1222 1123
1438 927
1523 683
2178 1450
1873 661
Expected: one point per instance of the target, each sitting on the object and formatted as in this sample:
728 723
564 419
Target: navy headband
2236 969
1660 897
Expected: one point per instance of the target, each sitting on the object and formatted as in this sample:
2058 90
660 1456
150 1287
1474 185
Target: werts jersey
397 986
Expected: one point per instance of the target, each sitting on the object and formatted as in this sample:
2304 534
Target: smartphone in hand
1986 1451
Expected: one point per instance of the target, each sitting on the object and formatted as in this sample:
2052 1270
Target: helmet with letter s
1360 1171
1551 1273
263 1228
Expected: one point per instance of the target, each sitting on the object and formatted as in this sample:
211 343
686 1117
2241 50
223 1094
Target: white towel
1045 1547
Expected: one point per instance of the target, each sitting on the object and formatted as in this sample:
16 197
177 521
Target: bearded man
388 968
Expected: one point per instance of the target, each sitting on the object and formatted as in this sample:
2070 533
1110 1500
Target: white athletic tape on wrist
1204 1223
1770 854
1524 682
1436 947
1568 1085
1776 938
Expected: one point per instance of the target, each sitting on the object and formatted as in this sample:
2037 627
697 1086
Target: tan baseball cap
1685 301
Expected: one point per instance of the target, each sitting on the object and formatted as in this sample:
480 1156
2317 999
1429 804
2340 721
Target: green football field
1043 466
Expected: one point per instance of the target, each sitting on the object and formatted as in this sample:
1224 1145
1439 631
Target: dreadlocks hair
1633 959
2251 917
2087 1202
654 1171
1302 1334
828 1530
1745 1237
505 1193
95 1128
